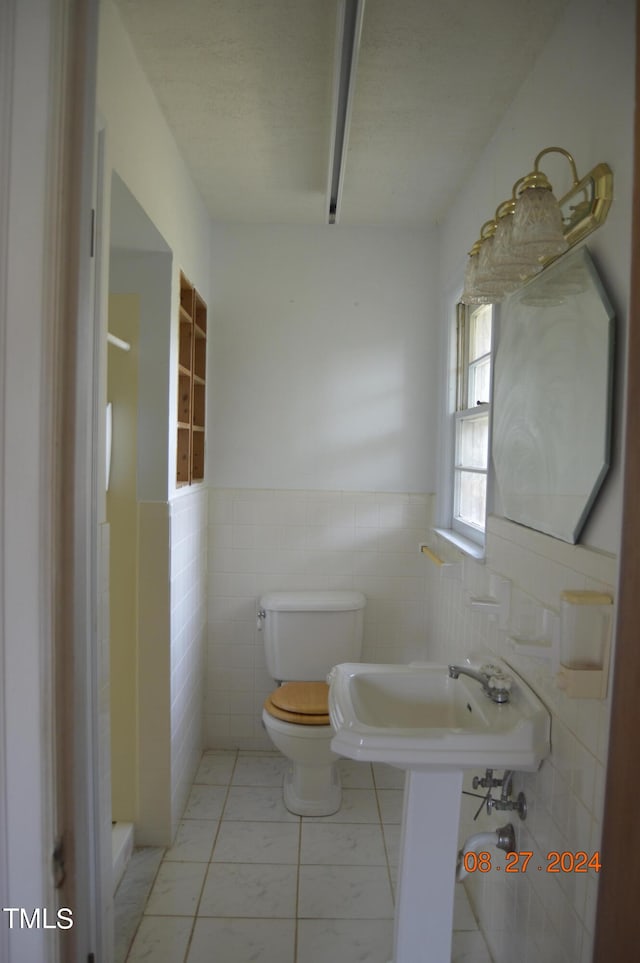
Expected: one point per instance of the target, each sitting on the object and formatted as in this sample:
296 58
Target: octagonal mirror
552 398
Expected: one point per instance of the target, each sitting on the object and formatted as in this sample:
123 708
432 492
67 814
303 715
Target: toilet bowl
311 784
306 634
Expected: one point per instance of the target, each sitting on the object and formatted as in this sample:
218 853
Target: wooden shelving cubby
192 376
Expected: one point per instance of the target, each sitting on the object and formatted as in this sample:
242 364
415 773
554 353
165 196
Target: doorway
138 343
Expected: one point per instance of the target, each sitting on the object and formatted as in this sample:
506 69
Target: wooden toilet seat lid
304 703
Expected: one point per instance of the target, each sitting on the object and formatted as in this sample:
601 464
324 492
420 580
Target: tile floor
248 881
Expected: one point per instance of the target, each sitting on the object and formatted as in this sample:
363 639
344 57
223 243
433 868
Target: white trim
473 549
444 499
48 50
27 578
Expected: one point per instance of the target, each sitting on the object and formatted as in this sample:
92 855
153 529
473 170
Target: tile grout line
384 838
142 914
297 906
213 846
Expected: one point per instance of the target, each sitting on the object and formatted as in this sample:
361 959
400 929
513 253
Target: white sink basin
420 719
416 716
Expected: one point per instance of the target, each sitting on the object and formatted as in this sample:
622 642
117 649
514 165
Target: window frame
460 531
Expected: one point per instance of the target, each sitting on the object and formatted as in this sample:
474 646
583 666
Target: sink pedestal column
426 876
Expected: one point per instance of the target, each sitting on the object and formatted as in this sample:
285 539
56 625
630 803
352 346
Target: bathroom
325 400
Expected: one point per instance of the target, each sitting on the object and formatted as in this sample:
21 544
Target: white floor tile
463 918
358 806
176 890
342 844
249 889
469 948
390 801
355 775
257 842
344 892
215 768
194 841
259 804
161 939
205 802
260 770
246 896
388 777
139 875
242 941
345 941
131 897
392 834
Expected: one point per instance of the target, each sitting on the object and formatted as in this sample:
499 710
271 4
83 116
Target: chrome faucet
495 683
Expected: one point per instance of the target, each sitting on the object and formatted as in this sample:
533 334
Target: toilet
305 635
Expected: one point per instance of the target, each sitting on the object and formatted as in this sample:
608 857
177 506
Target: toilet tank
307 633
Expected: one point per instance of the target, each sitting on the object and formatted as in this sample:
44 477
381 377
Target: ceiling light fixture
532 229
348 34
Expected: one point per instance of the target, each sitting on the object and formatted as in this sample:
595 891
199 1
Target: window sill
465 545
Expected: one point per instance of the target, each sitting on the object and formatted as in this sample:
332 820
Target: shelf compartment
185 347
186 296
198 405
200 358
192 365
200 314
183 459
197 454
184 399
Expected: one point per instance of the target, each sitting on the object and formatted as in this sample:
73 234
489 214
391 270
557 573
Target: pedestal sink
418 718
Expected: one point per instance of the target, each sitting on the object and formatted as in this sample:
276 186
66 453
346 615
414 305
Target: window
473 402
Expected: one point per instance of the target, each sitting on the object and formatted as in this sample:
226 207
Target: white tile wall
188 616
171 650
535 915
264 540
153 825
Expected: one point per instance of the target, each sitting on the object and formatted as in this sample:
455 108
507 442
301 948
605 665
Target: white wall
262 541
188 534
144 153
141 150
580 95
323 367
148 274
322 436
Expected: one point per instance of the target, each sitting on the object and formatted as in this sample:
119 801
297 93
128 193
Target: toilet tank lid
312 601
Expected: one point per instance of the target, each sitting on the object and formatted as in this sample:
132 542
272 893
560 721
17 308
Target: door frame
616 936
48 55
75 429
7 19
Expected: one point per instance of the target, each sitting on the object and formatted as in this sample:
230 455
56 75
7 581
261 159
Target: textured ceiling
246 87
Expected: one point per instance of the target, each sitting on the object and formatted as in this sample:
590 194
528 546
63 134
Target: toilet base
312 790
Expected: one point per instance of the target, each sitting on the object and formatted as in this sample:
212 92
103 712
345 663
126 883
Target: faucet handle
496 677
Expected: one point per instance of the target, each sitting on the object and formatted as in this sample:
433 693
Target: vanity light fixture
348 34
532 229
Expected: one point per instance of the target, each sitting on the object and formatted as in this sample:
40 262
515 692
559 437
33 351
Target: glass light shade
485 262
537 224
512 263
472 293
491 281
